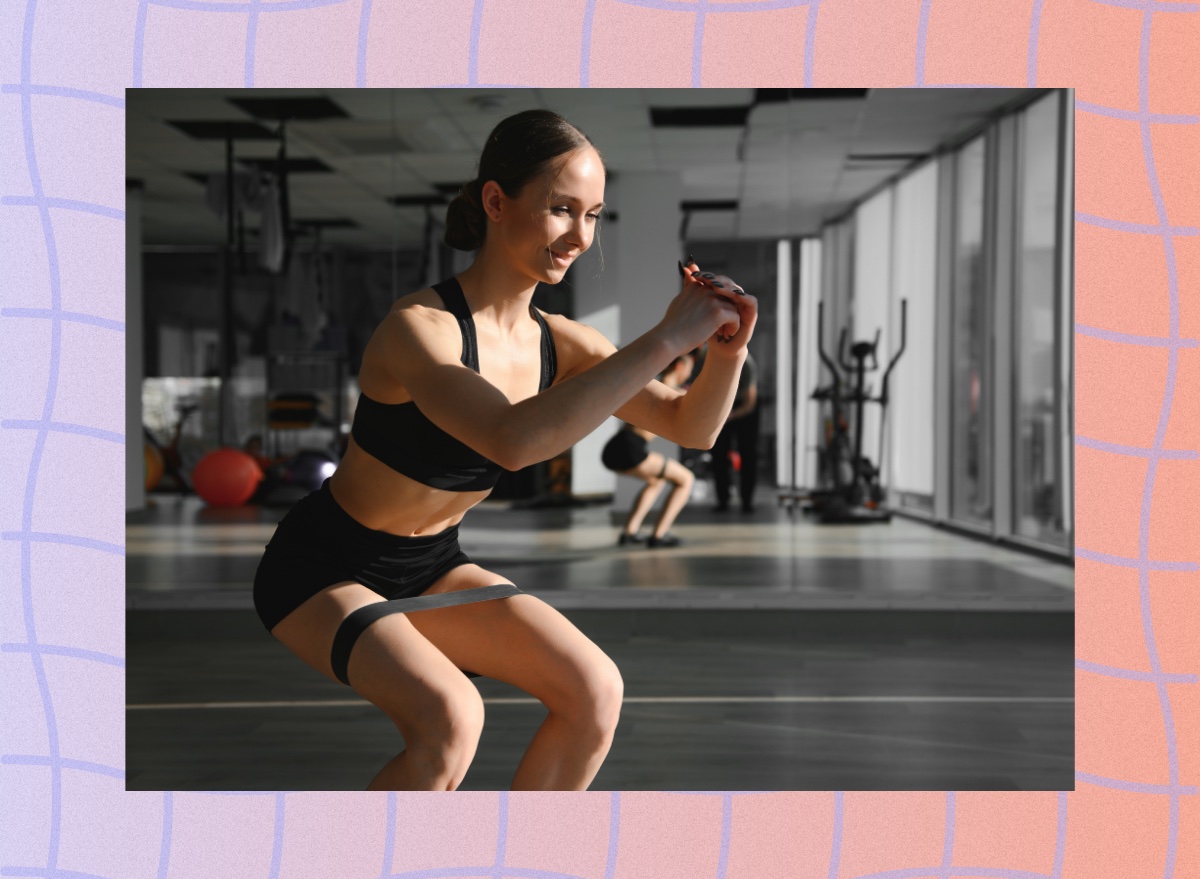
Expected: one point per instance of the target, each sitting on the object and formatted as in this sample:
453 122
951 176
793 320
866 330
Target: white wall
785 360
646 278
588 475
911 409
810 373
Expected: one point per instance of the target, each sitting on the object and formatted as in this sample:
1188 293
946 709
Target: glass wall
1038 464
971 434
979 429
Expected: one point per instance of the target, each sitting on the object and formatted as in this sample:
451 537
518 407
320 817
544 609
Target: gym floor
765 653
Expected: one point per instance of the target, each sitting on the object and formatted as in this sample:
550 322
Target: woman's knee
682 477
610 693
596 707
454 715
443 732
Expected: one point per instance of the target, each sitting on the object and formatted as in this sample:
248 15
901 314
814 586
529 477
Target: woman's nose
580 232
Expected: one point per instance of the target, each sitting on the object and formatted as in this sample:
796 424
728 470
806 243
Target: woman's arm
693 420
515 435
747 405
702 412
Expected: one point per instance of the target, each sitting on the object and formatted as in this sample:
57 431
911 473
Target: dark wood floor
825 691
1013 731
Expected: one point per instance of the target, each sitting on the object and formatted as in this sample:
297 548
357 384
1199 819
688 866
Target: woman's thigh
650 469
391 665
677 474
522 641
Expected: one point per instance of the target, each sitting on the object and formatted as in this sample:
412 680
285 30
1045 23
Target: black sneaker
625 539
665 540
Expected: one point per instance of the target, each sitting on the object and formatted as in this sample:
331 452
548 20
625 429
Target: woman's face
553 220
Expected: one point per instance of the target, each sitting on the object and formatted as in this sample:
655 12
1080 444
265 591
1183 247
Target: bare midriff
381 499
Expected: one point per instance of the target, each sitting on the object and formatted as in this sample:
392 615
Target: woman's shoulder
579 346
577 334
420 303
419 317
421 311
416 330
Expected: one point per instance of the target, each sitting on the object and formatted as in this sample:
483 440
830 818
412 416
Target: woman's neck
496 292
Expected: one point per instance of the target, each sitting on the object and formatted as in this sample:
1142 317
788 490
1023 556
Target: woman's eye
567 210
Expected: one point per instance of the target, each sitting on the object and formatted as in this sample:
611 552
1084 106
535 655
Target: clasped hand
729 311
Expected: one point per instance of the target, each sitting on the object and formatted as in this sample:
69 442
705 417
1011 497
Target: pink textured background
63 67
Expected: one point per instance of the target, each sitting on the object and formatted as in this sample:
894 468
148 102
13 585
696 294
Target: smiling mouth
559 258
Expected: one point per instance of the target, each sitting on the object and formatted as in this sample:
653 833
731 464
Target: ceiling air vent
416 201
698 117
324 223
306 108
776 96
709 205
208 129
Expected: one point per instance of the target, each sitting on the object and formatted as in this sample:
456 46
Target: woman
364 579
627 453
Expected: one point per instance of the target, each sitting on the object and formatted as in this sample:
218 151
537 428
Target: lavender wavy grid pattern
1143 563
252 9
26 537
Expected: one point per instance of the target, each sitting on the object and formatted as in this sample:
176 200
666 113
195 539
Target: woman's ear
492 197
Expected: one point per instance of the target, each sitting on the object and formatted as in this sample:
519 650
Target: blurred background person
628 453
740 434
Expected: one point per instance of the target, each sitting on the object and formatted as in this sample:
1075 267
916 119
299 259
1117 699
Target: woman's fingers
747 317
741 307
732 323
719 282
746 307
689 270
730 299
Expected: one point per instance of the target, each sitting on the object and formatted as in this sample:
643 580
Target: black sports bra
400 435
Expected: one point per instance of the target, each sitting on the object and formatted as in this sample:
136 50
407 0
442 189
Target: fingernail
691 259
682 273
718 284
739 292
709 275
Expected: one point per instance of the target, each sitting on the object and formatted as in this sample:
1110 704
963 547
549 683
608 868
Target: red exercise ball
226 477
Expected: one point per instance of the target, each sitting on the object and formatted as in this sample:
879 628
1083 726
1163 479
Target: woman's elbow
510 456
698 440
513 448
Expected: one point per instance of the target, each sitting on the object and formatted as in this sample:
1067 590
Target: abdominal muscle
381 499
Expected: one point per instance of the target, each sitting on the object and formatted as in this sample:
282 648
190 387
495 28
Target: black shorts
625 451
319 544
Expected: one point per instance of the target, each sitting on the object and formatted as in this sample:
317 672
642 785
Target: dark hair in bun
519 149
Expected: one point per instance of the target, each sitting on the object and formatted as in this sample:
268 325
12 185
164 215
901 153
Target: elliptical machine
851 491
